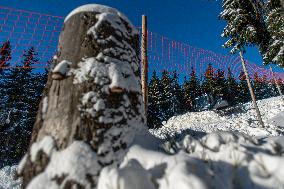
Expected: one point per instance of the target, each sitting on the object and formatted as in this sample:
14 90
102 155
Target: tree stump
92 104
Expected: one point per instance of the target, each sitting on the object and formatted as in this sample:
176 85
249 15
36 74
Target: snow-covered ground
8 178
216 160
203 150
241 119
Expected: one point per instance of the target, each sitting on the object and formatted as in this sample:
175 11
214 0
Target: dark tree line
169 97
20 89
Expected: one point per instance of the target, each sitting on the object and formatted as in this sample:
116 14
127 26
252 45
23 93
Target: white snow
221 104
216 159
98 9
278 120
46 145
72 164
62 67
213 159
133 175
103 73
8 178
244 121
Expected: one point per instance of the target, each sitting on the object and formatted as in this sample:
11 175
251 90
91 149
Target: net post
144 61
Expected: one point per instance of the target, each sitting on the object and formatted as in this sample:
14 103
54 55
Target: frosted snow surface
131 176
62 67
216 160
72 164
7 178
97 9
116 70
243 120
278 119
46 145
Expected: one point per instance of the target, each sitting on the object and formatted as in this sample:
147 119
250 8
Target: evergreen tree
245 24
26 102
22 87
243 90
167 96
266 87
255 22
208 84
5 57
281 84
274 48
187 95
257 86
194 88
154 104
177 98
220 84
231 94
273 91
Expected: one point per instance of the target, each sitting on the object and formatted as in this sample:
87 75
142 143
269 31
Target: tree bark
94 103
276 83
251 90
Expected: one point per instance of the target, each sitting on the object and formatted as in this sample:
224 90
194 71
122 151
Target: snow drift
241 119
199 160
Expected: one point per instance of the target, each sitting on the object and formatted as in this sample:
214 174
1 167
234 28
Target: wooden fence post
251 90
144 67
276 83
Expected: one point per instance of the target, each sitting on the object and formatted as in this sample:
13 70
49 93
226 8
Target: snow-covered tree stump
92 105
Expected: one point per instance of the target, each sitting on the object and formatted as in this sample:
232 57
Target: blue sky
194 22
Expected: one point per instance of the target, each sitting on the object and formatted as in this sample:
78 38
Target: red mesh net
25 29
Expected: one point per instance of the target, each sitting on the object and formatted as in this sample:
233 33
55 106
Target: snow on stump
92 104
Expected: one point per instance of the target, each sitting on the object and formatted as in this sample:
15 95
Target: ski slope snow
201 150
238 119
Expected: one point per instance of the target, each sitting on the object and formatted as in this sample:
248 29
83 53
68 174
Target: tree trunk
276 83
251 90
92 104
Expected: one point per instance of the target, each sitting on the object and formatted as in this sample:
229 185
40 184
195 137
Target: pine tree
22 101
273 50
187 95
257 85
208 85
281 84
245 24
29 82
267 88
243 89
194 88
5 57
167 96
231 94
154 118
220 84
177 98
273 91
